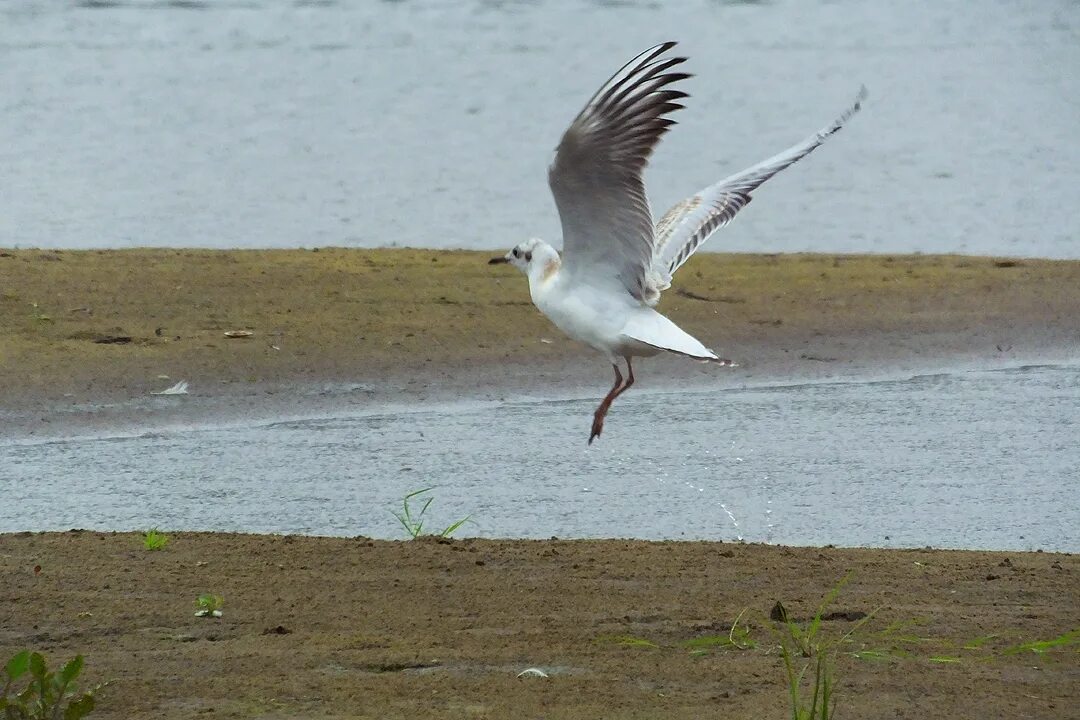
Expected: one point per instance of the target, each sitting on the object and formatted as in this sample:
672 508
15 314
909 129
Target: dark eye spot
516 253
528 257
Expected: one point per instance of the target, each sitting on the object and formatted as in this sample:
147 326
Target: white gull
614 265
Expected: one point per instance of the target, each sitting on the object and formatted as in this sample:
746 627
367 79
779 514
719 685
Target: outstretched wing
596 176
685 227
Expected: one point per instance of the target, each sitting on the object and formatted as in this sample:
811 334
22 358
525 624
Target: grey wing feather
687 225
596 177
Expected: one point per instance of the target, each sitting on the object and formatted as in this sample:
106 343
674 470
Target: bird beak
498 260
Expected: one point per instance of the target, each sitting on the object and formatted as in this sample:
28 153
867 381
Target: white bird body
586 314
615 324
615 263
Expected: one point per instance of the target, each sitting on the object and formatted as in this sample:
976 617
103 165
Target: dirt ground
81 326
354 628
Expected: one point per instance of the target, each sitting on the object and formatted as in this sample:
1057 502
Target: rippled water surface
278 123
970 459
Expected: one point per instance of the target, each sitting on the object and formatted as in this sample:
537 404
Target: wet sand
354 628
82 333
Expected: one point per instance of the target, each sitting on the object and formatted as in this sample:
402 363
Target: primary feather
596 177
686 226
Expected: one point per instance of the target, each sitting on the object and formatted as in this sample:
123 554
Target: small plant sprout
805 639
798 642
209 605
40 316
153 539
1068 640
822 705
737 638
47 695
413 522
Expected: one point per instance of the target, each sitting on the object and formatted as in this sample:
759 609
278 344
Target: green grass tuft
413 521
1042 647
153 539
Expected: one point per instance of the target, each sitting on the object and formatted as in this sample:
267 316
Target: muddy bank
107 325
336 628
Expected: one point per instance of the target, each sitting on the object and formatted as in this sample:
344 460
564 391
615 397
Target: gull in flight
615 263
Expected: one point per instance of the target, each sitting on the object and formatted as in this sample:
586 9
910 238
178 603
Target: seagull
602 289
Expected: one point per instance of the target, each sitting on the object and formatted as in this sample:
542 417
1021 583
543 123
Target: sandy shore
86 336
354 628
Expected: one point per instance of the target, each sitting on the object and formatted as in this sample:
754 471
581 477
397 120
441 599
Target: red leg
598 416
616 390
629 380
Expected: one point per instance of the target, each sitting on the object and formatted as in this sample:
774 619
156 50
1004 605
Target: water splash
738 535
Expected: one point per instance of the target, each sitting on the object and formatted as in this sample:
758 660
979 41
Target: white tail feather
654 329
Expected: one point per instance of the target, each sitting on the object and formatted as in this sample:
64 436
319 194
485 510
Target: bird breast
586 314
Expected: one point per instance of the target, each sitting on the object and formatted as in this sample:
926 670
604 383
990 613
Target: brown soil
102 325
351 628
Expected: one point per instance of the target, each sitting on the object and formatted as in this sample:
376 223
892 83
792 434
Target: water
273 123
969 459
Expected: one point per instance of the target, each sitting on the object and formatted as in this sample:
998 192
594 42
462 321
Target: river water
274 123
969 459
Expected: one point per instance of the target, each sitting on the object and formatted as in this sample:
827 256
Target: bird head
534 252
